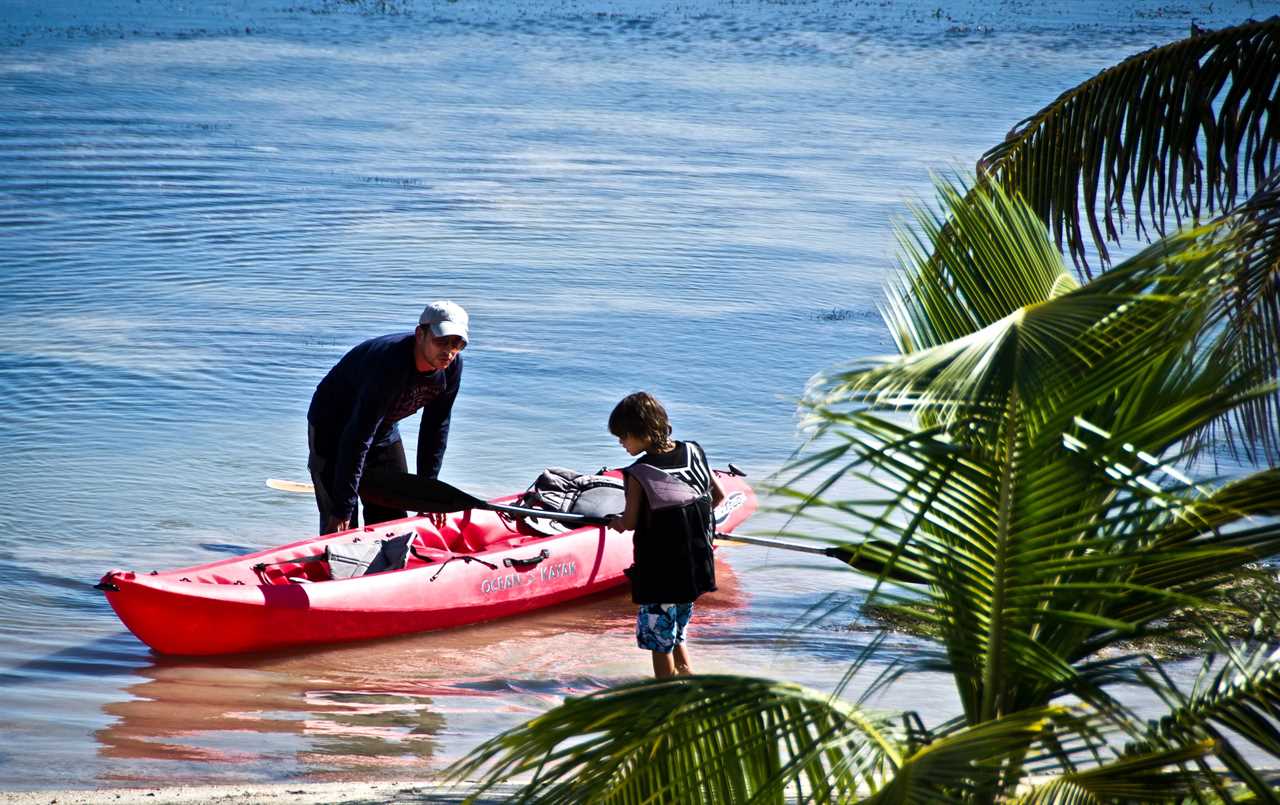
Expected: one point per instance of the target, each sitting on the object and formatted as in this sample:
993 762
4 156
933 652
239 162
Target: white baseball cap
445 318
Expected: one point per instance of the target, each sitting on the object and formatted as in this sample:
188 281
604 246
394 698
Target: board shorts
661 627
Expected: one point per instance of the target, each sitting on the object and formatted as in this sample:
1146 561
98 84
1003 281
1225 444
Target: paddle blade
291 486
404 490
867 558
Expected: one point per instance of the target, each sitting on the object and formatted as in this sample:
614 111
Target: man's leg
389 458
318 465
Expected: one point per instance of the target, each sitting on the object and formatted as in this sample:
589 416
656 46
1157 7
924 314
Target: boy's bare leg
681 658
663 666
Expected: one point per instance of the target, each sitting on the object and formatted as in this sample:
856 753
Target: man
353 415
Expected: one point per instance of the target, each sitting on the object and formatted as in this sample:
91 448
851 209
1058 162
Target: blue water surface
203 205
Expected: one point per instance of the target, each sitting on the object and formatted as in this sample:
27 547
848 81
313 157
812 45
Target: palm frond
1151 777
695 739
1036 556
1108 331
971 763
1134 134
1241 697
1251 309
998 260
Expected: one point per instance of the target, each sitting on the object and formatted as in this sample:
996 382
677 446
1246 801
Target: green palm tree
1169 134
1034 493
1028 451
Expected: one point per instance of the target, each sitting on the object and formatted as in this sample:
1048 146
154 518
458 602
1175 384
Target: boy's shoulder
677 456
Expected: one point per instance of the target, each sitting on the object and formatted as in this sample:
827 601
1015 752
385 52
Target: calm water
203 205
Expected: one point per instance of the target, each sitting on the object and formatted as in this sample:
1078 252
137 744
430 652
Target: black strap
421 556
465 558
696 454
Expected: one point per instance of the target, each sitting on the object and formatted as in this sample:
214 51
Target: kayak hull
478 567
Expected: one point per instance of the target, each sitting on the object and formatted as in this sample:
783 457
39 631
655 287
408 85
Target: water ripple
203 206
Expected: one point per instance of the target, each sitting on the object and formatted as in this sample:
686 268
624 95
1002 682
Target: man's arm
353 447
433 432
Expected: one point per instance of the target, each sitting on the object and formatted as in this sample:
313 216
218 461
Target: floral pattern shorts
661 627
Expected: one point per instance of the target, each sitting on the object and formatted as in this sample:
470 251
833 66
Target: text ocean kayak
478 567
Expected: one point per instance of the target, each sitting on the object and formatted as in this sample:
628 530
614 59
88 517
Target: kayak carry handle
525 564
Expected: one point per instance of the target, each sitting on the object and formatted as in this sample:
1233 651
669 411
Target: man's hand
438 519
336 524
615 523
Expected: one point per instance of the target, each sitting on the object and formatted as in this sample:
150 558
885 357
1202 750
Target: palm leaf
998 260
1041 341
1252 311
696 739
1186 129
1135 132
972 763
1076 571
1240 698
1036 557
1137 778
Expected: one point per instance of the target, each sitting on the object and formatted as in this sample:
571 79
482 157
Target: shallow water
202 206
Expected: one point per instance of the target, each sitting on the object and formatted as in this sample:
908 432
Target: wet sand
355 793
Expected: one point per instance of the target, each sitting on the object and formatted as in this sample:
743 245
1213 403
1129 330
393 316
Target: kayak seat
468 537
464 540
428 556
497 539
449 539
293 570
428 547
429 539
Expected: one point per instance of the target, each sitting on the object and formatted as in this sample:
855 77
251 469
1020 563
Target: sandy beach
368 793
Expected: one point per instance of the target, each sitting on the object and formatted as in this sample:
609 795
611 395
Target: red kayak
481 565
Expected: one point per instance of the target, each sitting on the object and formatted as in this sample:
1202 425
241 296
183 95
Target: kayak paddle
404 490
291 486
850 555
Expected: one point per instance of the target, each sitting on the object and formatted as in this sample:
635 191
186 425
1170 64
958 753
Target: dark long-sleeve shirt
358 403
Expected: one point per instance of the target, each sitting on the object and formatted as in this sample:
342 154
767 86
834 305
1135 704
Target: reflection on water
185 713
378 709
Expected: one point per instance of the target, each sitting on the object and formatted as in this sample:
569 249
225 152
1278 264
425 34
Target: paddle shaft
411 492
402 490
786 546
851 557
564 517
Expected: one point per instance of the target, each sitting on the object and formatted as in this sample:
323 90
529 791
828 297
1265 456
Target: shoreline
352 793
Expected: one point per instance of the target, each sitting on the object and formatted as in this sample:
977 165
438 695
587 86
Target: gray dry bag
366 558
561 490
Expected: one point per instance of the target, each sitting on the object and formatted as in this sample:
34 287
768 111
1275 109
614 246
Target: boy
671 493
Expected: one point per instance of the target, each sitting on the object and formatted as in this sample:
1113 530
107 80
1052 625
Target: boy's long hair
642 416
